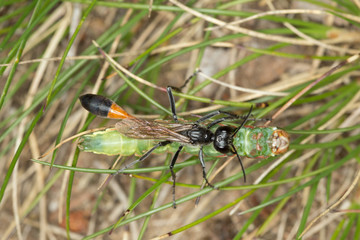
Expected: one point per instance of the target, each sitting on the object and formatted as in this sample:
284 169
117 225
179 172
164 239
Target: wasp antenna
242 124
242 166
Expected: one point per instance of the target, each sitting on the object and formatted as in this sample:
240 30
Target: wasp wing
143 129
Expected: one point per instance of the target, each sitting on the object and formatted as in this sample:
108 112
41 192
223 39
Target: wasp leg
143 157
172 164
201 157
172 103
230 116
213 123
204 118
215 113
178 89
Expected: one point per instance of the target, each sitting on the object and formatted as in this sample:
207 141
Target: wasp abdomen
96 104
103 107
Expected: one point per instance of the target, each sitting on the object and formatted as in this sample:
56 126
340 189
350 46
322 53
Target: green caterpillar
249 141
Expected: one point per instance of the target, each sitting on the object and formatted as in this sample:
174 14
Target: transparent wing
143 129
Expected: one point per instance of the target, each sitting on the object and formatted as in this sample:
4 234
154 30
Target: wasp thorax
200 135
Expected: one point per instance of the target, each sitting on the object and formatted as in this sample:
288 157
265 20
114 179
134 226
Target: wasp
133 135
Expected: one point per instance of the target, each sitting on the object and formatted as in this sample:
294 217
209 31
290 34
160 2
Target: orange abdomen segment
116 111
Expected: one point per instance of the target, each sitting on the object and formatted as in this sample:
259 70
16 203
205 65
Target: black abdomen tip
96 104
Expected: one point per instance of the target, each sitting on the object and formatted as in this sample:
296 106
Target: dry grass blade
333 206
71 138
311 85
254 51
